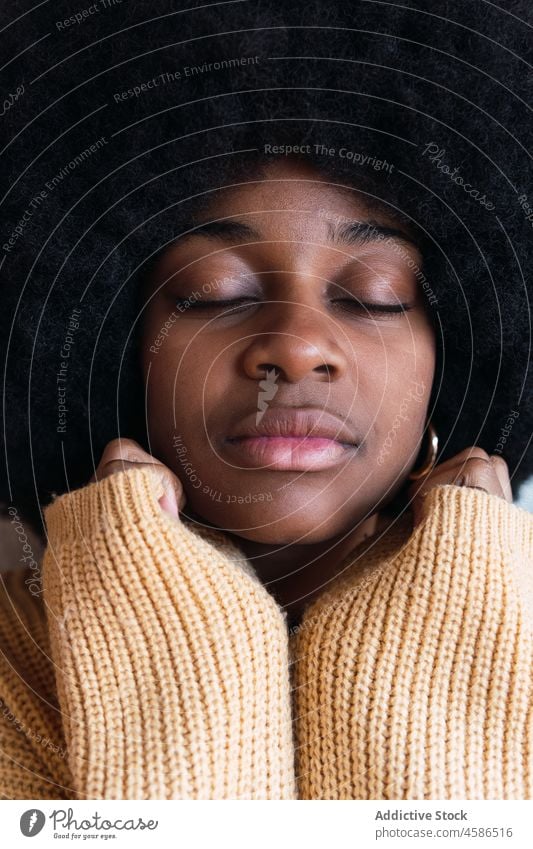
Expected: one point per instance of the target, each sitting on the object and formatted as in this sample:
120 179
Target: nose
297 340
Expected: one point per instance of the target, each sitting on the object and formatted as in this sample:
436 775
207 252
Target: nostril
268 367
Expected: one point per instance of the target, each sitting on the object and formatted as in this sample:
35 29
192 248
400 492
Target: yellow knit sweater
154 664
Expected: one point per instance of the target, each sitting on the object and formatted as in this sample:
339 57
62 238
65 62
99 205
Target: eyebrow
364 232
345 232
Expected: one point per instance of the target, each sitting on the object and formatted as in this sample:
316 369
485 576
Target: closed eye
184 304
355 305
240 304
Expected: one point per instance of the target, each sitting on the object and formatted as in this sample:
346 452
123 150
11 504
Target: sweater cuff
121 505
171 662
132 494
459 513
413 674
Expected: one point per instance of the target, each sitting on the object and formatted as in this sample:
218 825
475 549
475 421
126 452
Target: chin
285 521
267 536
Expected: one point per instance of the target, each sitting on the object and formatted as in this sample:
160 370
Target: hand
472 467
123 454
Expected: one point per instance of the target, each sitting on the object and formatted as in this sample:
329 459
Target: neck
294 574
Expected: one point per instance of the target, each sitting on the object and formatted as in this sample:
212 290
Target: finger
168 502
120 449
440 475
481 474
473 471
172 499
473 468
473 451
112 467
502 470
123 454
125 449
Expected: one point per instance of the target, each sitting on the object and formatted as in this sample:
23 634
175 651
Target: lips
295 422
292 439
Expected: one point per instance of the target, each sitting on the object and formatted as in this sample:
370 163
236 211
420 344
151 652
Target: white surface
525 496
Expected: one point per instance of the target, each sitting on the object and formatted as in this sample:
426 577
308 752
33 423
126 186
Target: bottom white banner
264 824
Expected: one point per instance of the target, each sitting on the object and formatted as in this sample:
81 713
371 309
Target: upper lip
295 421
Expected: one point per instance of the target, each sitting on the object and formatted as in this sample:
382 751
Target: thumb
168 502
171 497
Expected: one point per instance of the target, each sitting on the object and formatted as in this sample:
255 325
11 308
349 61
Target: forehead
292 210
290 193
293 201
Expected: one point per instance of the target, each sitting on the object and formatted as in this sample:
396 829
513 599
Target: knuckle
119 448
112 467
112 449
114 444
498 460
474 452
478 468
134 455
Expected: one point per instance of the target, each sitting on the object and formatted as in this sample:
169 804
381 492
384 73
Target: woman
298 572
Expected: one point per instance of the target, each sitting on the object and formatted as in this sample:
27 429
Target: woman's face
328 355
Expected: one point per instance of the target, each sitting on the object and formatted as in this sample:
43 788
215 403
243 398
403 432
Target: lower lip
289 453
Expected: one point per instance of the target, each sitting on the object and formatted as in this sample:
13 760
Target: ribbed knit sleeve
171 657
414 671
33 762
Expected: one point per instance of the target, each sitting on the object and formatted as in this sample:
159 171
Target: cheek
184 382
402 406
173 388
164 376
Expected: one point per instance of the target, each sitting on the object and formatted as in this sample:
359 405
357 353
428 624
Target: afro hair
122 120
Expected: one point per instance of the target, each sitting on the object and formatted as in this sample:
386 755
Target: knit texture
414 675
156 665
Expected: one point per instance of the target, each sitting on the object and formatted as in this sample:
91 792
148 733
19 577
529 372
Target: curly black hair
122 120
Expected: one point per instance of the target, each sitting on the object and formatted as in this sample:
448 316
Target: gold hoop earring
431 455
